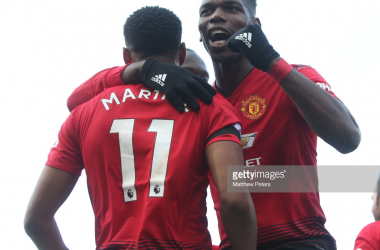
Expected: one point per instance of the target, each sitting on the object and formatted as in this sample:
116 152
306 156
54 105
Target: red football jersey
275 133
95 85
369 237
145 166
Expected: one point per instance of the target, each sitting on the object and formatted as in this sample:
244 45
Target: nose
217 16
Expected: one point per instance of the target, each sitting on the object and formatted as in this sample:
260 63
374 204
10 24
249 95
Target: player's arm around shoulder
96 84
52 189
328 117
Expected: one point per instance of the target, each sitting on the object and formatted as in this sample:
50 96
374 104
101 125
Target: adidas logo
160 79
246 38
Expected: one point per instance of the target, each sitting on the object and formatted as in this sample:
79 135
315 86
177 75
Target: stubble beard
223 60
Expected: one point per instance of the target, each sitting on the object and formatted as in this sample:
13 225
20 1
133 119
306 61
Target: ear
127 55
182 53
256 20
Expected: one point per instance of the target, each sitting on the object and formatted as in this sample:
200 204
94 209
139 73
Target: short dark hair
153 30
251 5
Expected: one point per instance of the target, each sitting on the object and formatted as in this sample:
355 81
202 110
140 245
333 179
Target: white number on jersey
164 130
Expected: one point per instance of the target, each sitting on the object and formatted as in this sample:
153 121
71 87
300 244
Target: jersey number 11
164 130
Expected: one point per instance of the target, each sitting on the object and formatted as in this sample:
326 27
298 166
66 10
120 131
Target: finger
200 91
175 101
187 96
205 85
232 46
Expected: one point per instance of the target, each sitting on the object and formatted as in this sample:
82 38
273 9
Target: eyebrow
232 2
205 5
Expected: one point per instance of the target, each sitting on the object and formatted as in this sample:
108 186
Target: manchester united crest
253 107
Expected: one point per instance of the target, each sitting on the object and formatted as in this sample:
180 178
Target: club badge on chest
253 107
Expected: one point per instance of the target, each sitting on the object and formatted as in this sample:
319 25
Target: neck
162 58
229 75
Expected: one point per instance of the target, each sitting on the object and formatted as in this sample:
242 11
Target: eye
205 12
232 8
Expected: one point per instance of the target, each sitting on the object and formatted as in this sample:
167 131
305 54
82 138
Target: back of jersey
146 170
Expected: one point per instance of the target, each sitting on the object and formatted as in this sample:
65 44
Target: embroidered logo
160 79
253 107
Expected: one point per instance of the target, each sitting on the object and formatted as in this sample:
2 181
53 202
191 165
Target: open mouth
219 37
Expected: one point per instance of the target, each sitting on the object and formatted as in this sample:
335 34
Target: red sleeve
220 113
314 76
362 244
95 85
65 154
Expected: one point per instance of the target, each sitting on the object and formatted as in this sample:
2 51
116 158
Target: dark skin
195 64
327 116
52 190
236 209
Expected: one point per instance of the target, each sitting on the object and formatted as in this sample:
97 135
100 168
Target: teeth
220 42
218 32
214 34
